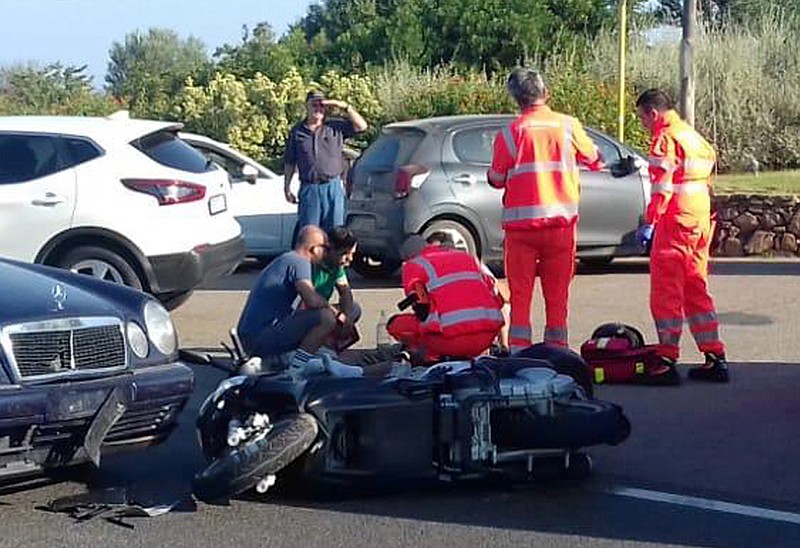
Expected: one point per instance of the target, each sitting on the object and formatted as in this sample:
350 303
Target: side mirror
249 174
624 167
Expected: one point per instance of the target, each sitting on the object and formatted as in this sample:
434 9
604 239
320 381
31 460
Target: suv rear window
391 150
169 150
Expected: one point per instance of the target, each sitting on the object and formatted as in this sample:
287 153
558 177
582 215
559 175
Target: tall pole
689 23
623 33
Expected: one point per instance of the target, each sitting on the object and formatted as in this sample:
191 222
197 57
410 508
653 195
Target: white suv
120 199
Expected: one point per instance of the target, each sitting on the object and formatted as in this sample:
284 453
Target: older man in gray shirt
315 147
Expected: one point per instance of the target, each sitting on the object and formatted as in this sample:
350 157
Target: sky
78 32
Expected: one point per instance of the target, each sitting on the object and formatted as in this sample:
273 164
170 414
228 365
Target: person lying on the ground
272 324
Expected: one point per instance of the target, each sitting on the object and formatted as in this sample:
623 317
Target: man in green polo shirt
331 274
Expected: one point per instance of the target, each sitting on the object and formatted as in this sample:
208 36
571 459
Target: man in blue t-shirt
315 148
273 322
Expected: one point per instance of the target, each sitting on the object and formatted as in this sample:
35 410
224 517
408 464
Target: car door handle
50 199
465 179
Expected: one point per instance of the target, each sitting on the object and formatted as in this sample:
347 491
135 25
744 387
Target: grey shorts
286 334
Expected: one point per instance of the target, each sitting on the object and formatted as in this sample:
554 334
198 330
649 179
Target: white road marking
707 504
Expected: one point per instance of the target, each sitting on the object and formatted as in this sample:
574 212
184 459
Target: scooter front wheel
244 466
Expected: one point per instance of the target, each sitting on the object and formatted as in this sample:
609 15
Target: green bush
747 81
408 93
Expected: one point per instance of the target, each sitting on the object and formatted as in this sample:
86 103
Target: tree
53 89
718 11
258 52
146 69
478 33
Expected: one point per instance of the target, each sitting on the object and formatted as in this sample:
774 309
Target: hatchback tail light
409 178
167 191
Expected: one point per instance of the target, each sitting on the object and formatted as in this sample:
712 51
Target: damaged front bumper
60 424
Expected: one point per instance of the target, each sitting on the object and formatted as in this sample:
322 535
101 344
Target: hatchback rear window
169 150
394 148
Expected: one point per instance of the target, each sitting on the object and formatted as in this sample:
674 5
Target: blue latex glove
644 235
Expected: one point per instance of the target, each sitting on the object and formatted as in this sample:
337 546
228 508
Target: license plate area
217 204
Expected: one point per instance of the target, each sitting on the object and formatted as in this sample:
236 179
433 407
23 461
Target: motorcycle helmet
616 330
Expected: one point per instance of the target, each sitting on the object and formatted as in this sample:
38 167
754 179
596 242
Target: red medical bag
616 353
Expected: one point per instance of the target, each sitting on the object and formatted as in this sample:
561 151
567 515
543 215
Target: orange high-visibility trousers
679 288
407 329
550 254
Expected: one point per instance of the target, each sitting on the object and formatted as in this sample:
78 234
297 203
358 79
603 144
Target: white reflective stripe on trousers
705 317
520 332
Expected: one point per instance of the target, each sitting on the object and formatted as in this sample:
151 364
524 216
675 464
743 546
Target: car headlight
137 340
160 328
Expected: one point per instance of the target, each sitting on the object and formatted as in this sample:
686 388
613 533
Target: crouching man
272 323
330 274
458 313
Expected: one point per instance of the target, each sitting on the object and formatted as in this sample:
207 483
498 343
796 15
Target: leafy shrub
747 77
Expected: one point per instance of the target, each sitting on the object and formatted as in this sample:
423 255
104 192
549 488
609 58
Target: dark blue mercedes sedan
86 367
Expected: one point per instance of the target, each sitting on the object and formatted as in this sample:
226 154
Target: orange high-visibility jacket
536 161
681 164
462 297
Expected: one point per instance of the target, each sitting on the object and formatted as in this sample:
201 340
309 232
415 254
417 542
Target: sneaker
339 369
714 370
664 375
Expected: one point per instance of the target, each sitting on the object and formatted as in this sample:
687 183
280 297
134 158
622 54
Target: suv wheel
101 263
461 235
369 267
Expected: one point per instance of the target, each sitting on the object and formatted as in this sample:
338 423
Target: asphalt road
705 466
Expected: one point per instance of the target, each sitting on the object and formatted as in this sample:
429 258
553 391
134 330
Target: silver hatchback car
424 176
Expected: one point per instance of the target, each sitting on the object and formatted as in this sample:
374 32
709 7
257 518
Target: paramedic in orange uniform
536 161
678 220
459 314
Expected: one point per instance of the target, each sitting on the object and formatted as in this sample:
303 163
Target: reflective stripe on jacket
681 164
462 296
536 160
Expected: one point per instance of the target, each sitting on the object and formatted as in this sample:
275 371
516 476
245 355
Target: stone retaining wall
757 225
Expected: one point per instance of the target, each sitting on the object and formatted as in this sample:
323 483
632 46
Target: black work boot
714 370
666 374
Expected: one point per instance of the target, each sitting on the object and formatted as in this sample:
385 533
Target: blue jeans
321 204
282 336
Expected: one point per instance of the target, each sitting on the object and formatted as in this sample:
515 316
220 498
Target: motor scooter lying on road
517 418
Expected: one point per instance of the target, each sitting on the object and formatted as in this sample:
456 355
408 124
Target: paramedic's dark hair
441 238
655 99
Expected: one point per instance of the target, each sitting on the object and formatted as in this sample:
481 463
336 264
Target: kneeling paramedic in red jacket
458 313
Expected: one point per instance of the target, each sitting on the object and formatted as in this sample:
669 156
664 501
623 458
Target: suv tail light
409 178
167 191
